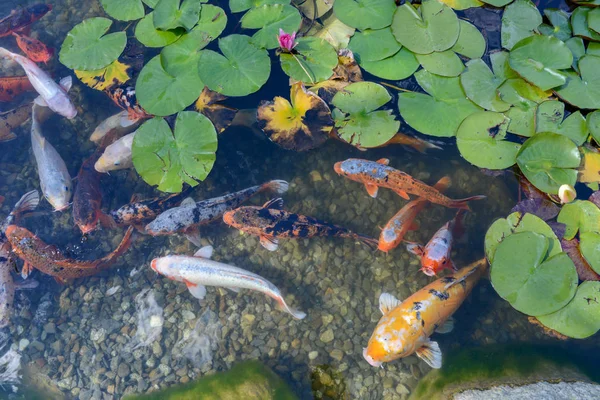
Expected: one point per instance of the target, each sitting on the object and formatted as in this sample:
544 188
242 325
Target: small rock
312 355
123 370
315 176
50 328
98 335
402 389
327 336
23 343
337 354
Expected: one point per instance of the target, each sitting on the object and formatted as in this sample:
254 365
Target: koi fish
119 122
394 231
126 99
23 17
34 49
377 174
435 256
200 271
190 215
52 95
13 119
116 156
12 86
270 222
406 326
50 260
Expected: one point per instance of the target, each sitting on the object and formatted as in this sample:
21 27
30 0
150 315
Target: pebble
123 370
312 355
337 354
402 389
327 336
23 343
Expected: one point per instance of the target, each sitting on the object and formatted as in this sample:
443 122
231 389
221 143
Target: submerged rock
327 383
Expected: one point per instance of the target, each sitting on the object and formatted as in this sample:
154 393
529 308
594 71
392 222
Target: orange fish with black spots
34 49
12 86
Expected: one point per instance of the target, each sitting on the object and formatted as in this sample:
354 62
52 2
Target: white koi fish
117 155
120 122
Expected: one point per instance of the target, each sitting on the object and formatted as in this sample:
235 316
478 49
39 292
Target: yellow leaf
115 74
221 116
590 172
462 4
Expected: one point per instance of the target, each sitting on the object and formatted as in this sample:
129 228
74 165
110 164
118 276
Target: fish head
348 168
390 340
388 239
63 106
59 195
234 218
39 10
167 267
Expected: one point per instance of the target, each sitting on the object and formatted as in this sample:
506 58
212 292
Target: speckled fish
12 86
270 223
55 180
435 256
116 156
127 100
377 174
394 231
119 122
34 49
406 326
189 215
52 94
199 271
50 260
22 17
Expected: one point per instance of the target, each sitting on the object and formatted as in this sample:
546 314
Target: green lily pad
462 4
593 48
357 120
331 29
183 55
575 44
470 42
580 215
243 68
441 112
373 45
150 3
520 20
549 160
169 159
480 141
397 67
124 10
432 27
315 8
497 3
581 317
524 98
169 14
149 36
269 19
242 5
560 28
589 244
313 62
579 24
583 91
481 86
87 48
549 118
365 14
444 63
593 123
515 223
213 20
540 59
532 284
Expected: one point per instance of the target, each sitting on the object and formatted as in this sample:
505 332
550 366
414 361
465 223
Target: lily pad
581 317
524 97
462 4
549 160
243 5
269 19
444 63
332 30
212 20
583 91
560 28
520 20
87 48
149 36
580 215
470 42
169 14
480 140
115 74
481 86
540 59
549 118
579 23
303 124
532 284
589 244
169 159
497 3
243 68
432 27
313 62
373 45
575 44
183 55
124 10
594 20
397 67
315 8
593 123
365 14
358 122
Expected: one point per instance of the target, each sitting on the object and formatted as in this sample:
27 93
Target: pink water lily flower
286 41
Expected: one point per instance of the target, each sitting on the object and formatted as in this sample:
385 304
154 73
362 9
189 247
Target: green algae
328 383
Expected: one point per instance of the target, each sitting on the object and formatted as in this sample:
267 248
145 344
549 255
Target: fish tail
277 186
463 203
372 243
423 145
28 202
443 184
292 311
120 250
5 53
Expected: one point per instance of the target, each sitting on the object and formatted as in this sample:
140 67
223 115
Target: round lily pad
169 159
124 10
313 62
581 317
583 91
549 118
149 36
589 244
470 42
524 97
213 20
243 68
579 23
87 48
532 284
397 67
497 3
481 86
269 19
183 55
540 59
373 45
480 140
170 14
365 14
593 123
433 27
520 20
593 18
560 28
581 216
549 160
243 5
444 63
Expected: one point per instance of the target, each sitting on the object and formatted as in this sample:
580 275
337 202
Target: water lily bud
286 41
567 194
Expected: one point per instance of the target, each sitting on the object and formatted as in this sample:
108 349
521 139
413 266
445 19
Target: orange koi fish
34 49
406 326
22 17
270 222
435 256
50 260
12 86
394 231
377 174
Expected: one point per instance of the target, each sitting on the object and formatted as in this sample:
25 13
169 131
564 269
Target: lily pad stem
396 87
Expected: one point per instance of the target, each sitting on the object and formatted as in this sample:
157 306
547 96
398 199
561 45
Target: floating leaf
313 62
102 79
183 55
480 141
333 30
149 36
365 14
169 159
243 68
374 45
470 42
243 5
212 20
397 67
549 160
169 14
520 20
497 3
549 118
303 124
87 48
579 23
269 19
462 4
481 86
307 7
593 123
444 63
561 27
124 10
208 104
433 27
583 91
589 244
575 44
524 98
593 19
580 215
540 207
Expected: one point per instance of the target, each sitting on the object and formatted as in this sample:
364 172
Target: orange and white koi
377 174
406 326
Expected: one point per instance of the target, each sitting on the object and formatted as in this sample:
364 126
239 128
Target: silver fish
51 94
120 122
116 156
55 180
199 271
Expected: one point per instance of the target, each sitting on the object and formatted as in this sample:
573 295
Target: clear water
91 344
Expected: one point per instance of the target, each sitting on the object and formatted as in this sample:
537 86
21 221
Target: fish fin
193 235
233 289
414 248
198 291
27 284
28 202
60 280
443 184
387 302
204 252
188 201
276 204
414 226
472 271
383 161
281 305
126 122
8 137
269 242
446 327
107 221
26 270
402 194
430 353
373 244
277 186
372 189
66 82
464 203
40 102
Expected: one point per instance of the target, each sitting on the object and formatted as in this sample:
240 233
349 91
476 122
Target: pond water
86 336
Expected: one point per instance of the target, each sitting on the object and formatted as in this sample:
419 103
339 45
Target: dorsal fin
387 303
188 201
383 161
276 204
204 252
